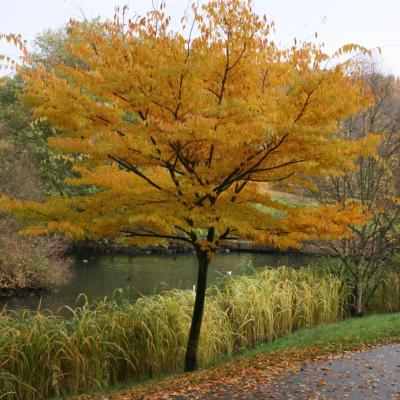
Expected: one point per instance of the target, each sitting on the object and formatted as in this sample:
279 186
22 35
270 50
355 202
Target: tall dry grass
43 355
275 302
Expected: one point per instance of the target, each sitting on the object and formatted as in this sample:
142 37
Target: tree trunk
194 334
359 309
359 294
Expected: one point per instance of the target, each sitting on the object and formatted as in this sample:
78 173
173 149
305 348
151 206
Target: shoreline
6 293
239 247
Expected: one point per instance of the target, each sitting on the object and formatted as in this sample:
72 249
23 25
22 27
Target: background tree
27 151
376 185
181 134
26 135
25 263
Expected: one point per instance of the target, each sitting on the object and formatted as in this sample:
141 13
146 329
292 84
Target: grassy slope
301 346
340 336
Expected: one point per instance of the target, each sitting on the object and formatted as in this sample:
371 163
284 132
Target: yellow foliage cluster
179 131
6 61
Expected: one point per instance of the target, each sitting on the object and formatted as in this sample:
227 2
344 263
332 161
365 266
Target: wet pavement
370 374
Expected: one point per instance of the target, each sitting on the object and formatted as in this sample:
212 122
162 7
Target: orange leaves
67 228
352 48
327 222
394 199
17 42
296 224
178 131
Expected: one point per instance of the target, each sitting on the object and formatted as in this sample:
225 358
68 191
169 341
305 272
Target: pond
99 275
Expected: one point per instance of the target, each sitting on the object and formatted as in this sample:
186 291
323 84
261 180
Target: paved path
370 374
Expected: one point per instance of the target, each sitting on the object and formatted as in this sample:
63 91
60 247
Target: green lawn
343 335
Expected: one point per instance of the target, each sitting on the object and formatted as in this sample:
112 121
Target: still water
100 276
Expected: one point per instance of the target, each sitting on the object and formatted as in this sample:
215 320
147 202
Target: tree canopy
182 134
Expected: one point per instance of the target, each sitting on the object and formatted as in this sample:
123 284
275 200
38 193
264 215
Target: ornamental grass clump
43 354
275 302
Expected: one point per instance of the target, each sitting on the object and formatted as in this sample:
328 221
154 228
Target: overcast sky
370 23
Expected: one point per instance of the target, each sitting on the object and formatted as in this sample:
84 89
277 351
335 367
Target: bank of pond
44 354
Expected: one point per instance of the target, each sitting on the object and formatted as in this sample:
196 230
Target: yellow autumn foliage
180 131
6 61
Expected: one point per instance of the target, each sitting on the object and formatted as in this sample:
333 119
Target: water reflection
99 276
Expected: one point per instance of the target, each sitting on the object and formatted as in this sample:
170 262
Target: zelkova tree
184 134
9 62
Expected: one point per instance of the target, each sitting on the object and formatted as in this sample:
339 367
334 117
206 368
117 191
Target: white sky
370 23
